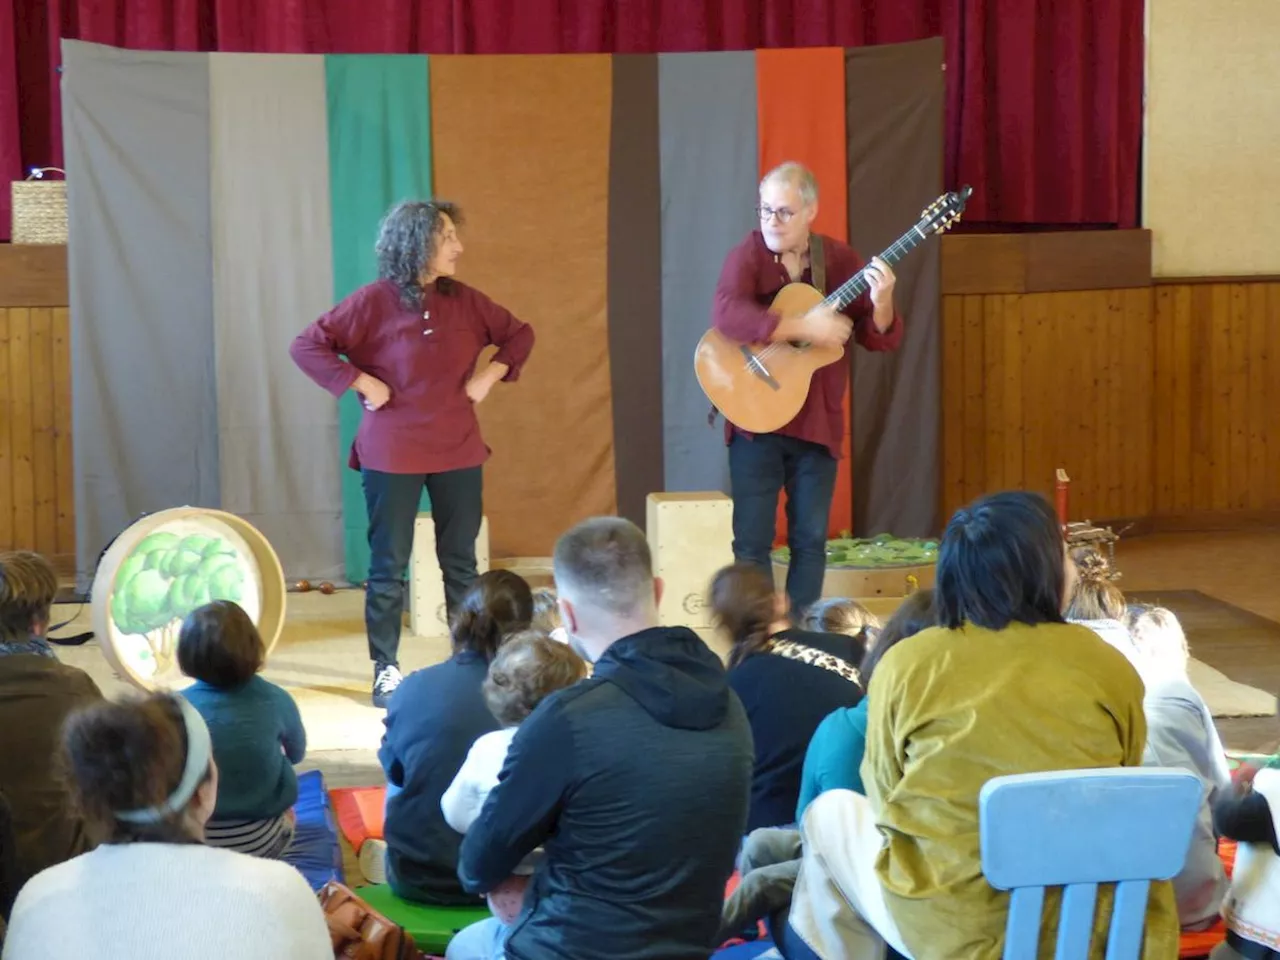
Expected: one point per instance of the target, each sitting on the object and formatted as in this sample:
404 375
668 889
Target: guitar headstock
940 215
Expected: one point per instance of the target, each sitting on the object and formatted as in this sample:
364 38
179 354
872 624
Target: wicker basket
40 211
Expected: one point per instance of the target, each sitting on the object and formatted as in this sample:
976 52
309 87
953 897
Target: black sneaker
386 678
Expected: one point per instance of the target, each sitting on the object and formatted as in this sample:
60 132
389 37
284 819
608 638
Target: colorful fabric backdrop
220 202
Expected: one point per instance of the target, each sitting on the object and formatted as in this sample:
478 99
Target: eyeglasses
766 213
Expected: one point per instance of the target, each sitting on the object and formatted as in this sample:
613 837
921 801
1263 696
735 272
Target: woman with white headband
143 776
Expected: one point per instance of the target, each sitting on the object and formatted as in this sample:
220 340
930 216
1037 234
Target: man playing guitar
801 456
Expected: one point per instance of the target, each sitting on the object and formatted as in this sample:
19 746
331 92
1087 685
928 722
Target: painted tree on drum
167 577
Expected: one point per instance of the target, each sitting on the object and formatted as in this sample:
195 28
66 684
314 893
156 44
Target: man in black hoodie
635 782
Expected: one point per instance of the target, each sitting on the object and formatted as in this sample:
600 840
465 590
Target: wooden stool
691 537
427 614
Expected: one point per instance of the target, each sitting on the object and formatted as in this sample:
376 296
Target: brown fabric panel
522 143
635 283
895 100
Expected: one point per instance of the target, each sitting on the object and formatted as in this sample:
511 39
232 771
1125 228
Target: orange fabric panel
801 117
522 144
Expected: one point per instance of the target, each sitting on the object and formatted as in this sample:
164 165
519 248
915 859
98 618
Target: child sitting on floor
254 725
528 668
1252 906
547 619
843 615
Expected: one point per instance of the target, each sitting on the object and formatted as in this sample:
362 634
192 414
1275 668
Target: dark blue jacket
434 717
636 782
785 701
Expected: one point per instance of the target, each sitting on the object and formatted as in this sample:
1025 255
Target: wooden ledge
1046 262
33 275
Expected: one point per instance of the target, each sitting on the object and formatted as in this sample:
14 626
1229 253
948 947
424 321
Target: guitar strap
817 272
817 263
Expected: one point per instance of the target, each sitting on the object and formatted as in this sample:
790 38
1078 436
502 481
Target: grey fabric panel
140 274
272 275
709 176
895 99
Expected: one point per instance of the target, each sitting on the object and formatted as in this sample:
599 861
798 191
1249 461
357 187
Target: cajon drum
427 614
691 537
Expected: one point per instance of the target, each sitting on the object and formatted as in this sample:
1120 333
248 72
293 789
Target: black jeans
761 467
392 500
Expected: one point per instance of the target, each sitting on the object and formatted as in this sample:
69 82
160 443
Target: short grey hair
604 562
799 176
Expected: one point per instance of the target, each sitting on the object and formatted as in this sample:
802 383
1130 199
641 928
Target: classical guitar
762 386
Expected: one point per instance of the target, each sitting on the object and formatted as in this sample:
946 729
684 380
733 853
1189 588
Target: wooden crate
691 537
428 616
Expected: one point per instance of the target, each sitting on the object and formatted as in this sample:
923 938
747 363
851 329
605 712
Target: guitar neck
856 285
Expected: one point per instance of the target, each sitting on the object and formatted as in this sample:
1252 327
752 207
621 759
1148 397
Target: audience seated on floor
635 782
528 669
434 717
255 726
143 776
1001 686
1180 728
788 680
770 858
36 695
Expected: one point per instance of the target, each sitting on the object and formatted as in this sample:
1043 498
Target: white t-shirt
165 900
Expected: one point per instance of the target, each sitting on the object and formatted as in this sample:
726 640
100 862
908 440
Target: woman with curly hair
408 344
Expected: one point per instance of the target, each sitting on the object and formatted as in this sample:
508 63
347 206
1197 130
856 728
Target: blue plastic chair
1076 829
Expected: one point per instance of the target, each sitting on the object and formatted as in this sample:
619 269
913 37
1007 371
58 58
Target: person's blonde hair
28 586
1158 636
527 669
840 615
1095 595
546 610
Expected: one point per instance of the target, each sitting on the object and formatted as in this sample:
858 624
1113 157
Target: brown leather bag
359 932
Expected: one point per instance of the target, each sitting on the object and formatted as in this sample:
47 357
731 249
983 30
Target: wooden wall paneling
1223 489
1201 402
1163 386
1181 422
1011 422
6 436
1033 373
1238 412
1272 405
42 426
62 452
975 474
22 434
1137 313
1258 358
993 425
951 490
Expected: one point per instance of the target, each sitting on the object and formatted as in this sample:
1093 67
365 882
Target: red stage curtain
1044 101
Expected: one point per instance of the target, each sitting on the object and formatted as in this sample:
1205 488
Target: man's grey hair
799 176
605 563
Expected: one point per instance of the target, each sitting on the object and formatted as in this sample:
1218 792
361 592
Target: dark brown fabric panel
635 283
895 98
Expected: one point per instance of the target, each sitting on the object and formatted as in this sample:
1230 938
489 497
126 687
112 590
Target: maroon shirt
751 277
426 357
